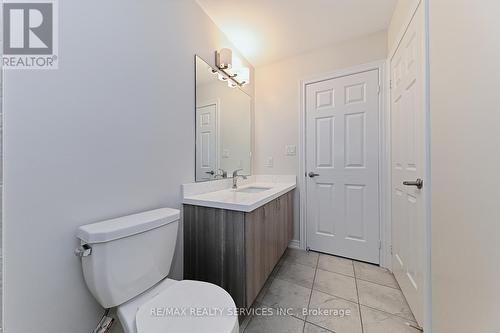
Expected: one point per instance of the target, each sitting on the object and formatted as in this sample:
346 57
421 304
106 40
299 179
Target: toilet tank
128 254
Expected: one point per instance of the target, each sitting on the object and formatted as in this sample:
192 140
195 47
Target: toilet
125 264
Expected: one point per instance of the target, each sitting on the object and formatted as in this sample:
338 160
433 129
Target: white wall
277 99
108 134
465 116
400 18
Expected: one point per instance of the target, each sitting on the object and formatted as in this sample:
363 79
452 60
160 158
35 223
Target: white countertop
230 199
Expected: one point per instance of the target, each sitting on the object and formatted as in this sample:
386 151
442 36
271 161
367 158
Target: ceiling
265 31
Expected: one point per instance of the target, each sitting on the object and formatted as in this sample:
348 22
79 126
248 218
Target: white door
408 163
342 144
206 142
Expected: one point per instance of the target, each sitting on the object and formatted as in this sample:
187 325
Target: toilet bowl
125 265
181 307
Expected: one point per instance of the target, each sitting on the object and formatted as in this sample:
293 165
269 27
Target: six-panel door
342 145
408 164
206 142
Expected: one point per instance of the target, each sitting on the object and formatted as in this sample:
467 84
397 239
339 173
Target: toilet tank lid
121 227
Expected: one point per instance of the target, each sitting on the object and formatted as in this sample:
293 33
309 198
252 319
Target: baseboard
294 244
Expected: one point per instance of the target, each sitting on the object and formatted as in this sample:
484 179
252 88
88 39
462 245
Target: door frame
384 150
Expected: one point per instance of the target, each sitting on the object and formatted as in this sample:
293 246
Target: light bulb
224 59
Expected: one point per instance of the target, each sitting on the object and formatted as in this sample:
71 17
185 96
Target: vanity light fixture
222 77
242 75
224 59
239 76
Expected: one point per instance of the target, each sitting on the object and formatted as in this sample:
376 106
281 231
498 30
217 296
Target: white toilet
125 264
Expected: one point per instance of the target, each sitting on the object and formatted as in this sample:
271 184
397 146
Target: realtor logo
30 34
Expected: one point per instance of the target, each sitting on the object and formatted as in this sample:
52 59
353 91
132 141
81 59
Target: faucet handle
223 173
235 172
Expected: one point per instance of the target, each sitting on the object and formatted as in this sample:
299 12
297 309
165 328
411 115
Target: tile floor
318 282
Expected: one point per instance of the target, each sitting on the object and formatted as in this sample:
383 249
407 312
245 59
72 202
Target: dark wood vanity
237 250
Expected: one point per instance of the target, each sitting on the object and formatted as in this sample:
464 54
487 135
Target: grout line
326 270
359 304
379 284
388 313
357 291
310 295
318 326
354 270
336 296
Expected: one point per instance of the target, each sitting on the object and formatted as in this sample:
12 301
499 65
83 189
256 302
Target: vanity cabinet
237 250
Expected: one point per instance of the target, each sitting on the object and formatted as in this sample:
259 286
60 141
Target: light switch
269 162
290 150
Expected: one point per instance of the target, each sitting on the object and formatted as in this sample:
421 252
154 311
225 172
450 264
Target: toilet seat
188 307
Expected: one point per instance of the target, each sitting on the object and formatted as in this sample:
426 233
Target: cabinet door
289 219
272 217
214 249
282 232
256 252
268 231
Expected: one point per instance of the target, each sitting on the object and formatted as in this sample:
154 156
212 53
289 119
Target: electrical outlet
269 162
290 150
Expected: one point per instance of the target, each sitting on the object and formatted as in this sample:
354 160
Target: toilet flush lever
83 250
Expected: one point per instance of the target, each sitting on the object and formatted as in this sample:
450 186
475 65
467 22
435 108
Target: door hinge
379 89
380 245
390 84
390 249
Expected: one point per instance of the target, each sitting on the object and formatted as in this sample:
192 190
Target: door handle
312 174
210 172
419 183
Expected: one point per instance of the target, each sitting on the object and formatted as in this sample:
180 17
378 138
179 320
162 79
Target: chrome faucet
235 178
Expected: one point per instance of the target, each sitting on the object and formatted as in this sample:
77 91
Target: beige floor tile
276 268
336 284
375 274
248 318
301 257
310 328
380 322
334 321
283 294
244 323
264 289
299 274
384 298
335 264
275 324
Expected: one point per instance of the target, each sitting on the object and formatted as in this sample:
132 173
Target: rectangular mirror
223 126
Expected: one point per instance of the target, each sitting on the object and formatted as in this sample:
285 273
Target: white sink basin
253 189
